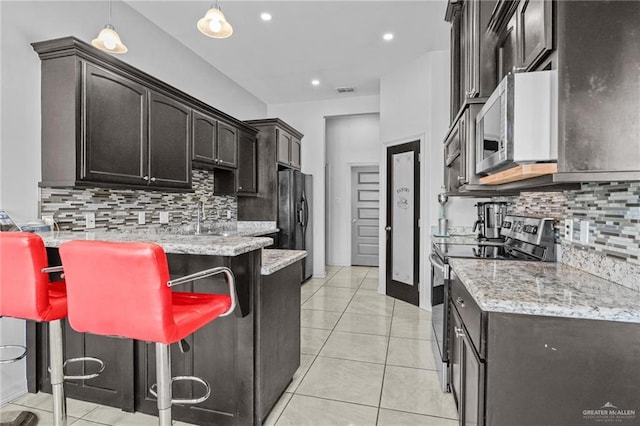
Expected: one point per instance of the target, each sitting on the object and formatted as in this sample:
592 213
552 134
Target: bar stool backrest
24 288
118 289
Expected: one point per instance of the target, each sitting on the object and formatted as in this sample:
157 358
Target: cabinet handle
240 188
153 179
460 301
145 178
459 332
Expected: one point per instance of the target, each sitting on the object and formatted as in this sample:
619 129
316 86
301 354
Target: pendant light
214 23
108 39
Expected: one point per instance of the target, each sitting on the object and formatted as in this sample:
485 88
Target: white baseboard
9 395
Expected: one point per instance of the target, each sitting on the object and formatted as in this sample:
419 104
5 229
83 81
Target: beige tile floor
365 360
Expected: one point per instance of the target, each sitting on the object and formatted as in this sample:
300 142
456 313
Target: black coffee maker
490 217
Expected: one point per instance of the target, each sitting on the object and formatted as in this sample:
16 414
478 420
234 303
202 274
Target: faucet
199 217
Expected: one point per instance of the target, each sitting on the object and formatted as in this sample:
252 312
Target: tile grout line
386 359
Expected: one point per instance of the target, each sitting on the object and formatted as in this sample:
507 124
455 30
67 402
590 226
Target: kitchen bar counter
545 289
202 244
275 260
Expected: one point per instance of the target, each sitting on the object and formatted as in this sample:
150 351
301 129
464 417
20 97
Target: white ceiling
338 42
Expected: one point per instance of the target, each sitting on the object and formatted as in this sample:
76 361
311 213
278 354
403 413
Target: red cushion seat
120 289
25 291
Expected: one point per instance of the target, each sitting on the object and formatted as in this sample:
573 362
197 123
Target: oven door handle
436 262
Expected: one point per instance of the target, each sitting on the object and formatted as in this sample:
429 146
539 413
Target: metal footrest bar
15 358
153 391
85 376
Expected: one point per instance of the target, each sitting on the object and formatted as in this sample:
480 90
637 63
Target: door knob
388 228
353 221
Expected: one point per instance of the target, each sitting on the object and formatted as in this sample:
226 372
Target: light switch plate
164 218
90 220
584 231
141 218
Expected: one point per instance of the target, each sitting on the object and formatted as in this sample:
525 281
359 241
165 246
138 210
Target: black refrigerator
294 215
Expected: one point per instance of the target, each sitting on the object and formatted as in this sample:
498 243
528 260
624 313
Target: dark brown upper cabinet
507 50
535 32
472 51
169 136
247 174
227 147
106 123
276 142
132 135
115 128
214 142
525 34
288 149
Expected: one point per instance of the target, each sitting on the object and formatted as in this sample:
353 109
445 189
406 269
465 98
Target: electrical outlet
141 218
48 220
568 229
584 231
90 220
228 214
164 218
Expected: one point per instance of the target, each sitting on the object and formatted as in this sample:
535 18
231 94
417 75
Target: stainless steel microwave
519 123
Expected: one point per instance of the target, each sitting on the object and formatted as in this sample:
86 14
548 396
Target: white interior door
365 215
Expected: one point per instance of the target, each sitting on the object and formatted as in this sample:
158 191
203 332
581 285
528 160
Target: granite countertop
545 288
172 243
274 260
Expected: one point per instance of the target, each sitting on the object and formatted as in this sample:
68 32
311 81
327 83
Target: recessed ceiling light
315 82
388 36
265 16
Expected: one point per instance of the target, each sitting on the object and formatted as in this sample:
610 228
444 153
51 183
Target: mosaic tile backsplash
119 208
613 212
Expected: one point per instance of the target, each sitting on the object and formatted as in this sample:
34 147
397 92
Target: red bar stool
26 293
124 289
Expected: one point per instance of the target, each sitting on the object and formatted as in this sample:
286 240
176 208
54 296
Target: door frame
423 230
350 167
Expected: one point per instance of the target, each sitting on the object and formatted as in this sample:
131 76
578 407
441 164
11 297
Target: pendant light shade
214 24
108 39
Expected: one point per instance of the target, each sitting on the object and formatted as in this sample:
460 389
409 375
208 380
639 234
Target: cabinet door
471 18
507 49
457 98
204 138
295 153
169 134
283 145
247 174
455 357
472 412
115 131
535 26
454 156
227 146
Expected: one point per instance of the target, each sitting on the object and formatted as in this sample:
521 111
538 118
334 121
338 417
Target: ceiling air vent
345 89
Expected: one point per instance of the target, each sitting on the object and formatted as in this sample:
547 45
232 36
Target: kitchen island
542 343
224 352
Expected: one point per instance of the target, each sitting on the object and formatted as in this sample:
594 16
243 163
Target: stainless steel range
524 238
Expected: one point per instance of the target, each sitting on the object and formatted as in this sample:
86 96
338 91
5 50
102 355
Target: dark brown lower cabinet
529 370
248 357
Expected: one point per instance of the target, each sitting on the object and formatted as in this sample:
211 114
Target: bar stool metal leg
163 377
57 373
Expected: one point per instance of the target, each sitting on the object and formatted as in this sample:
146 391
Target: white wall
150 49
351 140
414 105
309 118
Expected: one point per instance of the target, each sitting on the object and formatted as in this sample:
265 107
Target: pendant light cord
109 12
